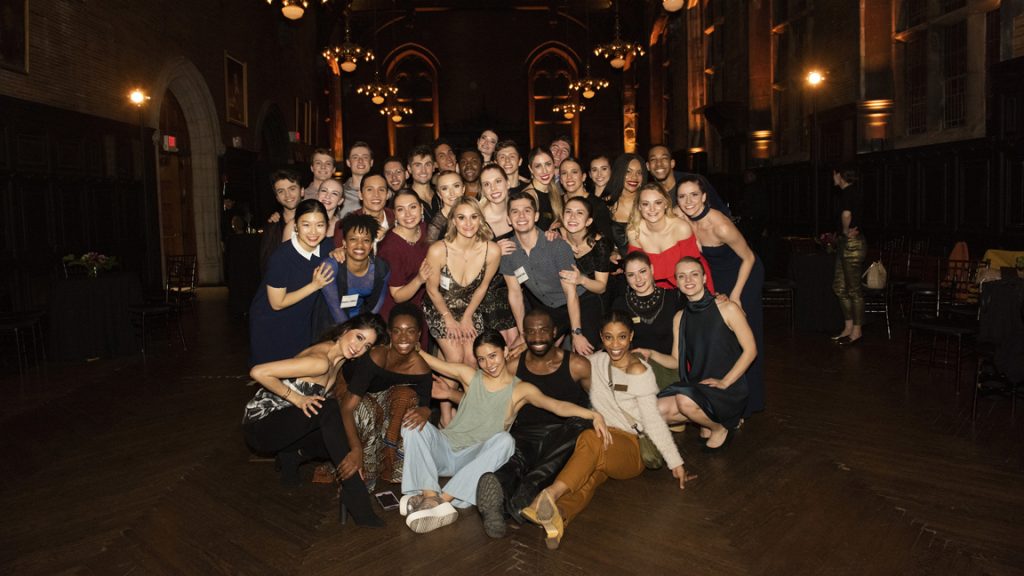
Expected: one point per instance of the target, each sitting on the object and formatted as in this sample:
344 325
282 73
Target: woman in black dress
652 310
593 264
713 348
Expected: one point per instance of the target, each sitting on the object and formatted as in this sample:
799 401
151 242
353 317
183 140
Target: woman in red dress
656 231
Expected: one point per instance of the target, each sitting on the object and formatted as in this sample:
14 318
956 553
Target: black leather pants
541 452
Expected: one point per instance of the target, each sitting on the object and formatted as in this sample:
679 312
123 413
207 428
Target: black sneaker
490 499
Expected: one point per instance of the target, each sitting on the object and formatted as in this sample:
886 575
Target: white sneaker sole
403 504
425 521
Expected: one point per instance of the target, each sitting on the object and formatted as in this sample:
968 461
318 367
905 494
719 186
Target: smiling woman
280 317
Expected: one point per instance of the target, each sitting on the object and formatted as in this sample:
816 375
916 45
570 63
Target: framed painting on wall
14 35
236 91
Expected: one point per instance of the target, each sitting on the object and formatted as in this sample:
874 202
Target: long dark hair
361 322
589 236
618 179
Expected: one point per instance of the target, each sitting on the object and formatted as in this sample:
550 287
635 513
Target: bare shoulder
635 366
579 366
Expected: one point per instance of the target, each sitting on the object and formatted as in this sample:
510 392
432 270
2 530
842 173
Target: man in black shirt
544 442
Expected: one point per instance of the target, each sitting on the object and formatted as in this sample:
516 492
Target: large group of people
545 323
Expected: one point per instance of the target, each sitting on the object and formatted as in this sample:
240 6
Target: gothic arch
184 80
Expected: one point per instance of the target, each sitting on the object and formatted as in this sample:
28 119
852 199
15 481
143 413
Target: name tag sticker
349 300
521 275
636 319
622 387
446 283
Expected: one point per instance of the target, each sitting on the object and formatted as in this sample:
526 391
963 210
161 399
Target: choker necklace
647 308
703 213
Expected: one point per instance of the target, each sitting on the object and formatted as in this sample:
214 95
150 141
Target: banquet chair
1000 343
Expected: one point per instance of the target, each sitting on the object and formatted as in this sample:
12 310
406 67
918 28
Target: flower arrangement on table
827 241
93 262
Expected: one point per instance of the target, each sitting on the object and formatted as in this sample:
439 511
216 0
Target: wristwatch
577 331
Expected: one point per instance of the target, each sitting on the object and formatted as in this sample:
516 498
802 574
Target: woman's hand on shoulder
323 275
644 353
506 246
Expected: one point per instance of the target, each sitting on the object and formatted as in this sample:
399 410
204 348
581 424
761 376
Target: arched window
550 72
415 74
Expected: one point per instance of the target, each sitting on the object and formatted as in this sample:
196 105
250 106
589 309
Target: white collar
302 252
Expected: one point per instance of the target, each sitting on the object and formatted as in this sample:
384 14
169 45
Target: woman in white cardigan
624 391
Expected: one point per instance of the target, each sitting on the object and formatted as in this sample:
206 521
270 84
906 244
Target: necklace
646 307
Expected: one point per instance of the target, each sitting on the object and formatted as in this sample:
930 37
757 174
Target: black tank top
558 385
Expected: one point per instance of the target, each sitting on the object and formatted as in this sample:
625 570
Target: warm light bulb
137 97
814 78
396 118
292 11
378 100
588 94
618 62
568 115
348 66
672 5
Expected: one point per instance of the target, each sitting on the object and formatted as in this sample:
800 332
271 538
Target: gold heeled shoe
546 514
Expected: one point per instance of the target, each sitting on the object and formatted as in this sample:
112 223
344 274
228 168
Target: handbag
649 453
876 276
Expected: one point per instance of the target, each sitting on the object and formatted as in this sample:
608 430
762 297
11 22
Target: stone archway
184 80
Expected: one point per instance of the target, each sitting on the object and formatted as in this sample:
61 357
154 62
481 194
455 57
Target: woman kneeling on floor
294 416
712 350
477 439
623 390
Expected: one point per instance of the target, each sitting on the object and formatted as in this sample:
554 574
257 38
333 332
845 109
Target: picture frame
14 35
236 91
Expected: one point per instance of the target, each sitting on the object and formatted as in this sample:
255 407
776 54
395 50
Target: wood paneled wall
71 183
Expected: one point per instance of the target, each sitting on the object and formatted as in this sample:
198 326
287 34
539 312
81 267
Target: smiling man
373 198
359 162
322 167
547 268
544 442
470 163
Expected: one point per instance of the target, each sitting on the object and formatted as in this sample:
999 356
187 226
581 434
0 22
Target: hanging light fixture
588 86
395 111
618 50
672 5
348 54
569 110
294 9
377 90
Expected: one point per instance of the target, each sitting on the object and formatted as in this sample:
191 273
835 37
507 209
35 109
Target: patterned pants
379 425
850 256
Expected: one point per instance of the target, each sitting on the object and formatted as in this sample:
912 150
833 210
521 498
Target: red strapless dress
664 263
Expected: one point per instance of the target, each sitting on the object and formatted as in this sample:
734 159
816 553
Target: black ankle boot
288 465
356 501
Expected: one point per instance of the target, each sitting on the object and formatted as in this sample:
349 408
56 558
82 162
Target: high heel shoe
287 463
546 514
354 501
728 439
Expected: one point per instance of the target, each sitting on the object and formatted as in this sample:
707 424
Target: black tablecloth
816 308
1002 324
242 257
89 316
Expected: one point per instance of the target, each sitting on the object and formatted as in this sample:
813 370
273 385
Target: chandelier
294 9
618 50
568 111
348 54
588 86
377 90
672 5
395 111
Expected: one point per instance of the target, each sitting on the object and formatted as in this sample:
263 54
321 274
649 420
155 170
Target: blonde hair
635 219
483 233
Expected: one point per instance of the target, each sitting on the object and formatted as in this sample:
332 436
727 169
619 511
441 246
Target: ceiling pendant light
618 51
348 54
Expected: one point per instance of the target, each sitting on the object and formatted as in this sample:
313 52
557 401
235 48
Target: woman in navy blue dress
737 270
281 314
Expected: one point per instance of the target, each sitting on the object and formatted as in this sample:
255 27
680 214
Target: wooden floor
125 467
